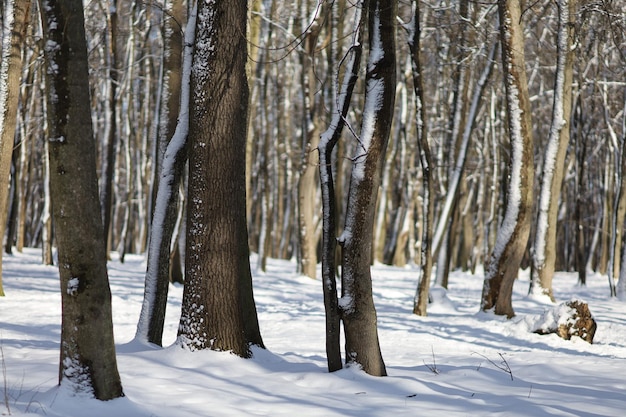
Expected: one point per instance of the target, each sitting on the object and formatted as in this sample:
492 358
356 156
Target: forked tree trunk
327 143
357 303
504 262
87 362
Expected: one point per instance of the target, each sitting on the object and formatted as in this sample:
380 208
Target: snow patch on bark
550 158
374 96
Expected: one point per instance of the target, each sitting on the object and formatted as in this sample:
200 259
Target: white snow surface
551 376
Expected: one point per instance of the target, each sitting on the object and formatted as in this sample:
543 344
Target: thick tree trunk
359 313
15 16
544 253
218 310
88 361
504 262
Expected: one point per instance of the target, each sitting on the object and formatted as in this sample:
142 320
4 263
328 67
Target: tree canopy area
449 135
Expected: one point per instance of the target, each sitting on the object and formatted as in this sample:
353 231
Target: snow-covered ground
452 363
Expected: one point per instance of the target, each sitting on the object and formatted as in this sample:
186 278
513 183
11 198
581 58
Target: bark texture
359 313
218 310
328 141
88 361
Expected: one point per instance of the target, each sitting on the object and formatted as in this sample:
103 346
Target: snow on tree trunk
504 262
218 309
328 140
151 319
357 304
544 253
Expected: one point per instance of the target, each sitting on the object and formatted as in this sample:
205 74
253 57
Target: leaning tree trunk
15 16
505 260
88 361
218 310
152 317
544 254
358 311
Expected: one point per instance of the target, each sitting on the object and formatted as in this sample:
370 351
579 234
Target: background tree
14 28
87 362
505 260
218 310
544 254
426 261
152 317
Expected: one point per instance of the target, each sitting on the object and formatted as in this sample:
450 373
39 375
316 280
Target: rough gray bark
88 361
218 310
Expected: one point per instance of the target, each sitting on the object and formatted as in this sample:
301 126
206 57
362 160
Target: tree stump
569 319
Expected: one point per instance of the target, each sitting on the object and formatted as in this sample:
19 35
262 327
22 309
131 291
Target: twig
433 367
4 377
503 365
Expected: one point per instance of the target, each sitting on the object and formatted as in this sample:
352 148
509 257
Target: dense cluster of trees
448 134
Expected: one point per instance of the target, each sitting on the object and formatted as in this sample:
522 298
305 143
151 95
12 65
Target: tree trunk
88 361
504 262
218 310
152 317
581 153
428 204
306 183
327 143
358 311
544 254
14 20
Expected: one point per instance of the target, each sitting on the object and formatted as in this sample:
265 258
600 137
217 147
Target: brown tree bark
218 310
88 361
358 311
328 141
10 73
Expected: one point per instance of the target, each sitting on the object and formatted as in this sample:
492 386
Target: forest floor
455 362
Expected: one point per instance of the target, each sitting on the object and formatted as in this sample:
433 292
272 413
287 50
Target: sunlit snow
447 364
